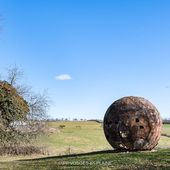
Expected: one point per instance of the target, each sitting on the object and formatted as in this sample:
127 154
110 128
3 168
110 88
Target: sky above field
89 53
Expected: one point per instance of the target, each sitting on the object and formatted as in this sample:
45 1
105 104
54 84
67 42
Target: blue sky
89 53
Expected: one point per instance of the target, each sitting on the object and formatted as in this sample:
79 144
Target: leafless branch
14 74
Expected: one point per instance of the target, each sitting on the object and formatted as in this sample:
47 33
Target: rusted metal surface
132 123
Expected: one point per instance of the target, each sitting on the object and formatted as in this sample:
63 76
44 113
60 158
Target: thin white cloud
63 77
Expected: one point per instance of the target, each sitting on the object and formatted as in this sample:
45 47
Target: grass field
84 147
78 137
97 160
75 137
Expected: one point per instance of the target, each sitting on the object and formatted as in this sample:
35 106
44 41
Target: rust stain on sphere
132 123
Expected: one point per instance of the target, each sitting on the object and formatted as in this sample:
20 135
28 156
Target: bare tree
20 122
14 74
38 103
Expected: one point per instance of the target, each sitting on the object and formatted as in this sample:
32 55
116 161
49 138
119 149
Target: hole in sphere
137 120
141 127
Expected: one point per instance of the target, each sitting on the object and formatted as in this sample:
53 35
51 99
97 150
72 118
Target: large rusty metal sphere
132 123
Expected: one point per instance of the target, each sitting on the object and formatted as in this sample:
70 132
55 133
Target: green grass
97 160
166 129
87 139
76 136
